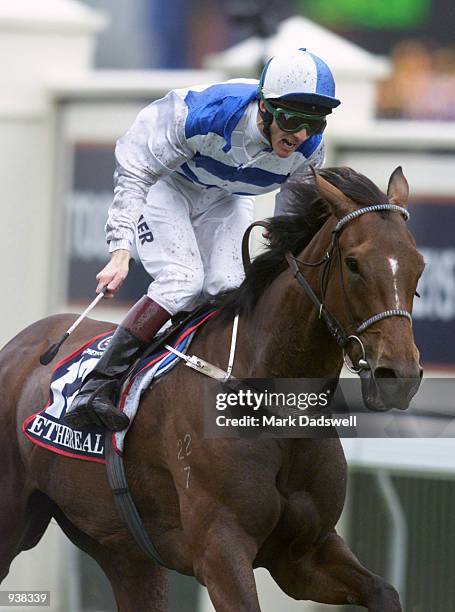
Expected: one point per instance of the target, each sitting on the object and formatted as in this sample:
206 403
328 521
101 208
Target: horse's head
372 283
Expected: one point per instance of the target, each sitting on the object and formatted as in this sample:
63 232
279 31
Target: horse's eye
352 264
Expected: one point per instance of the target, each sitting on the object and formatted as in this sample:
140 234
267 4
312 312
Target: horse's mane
294 231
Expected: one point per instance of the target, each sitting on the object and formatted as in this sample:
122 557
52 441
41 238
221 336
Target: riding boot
97 399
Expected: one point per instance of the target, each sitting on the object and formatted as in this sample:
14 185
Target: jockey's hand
266 234
114 273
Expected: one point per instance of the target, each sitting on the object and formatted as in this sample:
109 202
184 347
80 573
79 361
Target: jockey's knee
192 284
176 287
217 282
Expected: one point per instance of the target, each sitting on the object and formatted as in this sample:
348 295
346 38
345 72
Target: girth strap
124 502
116 476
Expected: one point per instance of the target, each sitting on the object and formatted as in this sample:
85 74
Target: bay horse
218 508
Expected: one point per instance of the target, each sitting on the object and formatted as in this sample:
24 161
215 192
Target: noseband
333 325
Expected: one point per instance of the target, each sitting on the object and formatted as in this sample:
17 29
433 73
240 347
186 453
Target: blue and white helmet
299 77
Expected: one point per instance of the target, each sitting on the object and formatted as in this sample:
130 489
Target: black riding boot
97 399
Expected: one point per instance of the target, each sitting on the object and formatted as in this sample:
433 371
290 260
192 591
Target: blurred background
74 76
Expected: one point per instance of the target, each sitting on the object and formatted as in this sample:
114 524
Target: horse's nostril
384 373
421 373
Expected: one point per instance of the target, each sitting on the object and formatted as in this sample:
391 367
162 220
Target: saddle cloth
47 427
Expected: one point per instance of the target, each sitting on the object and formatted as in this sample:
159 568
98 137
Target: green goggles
292 121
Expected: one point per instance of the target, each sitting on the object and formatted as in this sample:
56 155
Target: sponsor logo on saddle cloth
47 427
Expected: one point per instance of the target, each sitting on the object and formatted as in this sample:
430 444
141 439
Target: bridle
334 327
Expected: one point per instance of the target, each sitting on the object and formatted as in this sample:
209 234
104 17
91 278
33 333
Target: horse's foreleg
225 566
330 573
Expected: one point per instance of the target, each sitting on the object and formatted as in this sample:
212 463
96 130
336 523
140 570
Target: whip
52 351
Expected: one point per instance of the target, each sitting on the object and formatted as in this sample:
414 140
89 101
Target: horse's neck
288 340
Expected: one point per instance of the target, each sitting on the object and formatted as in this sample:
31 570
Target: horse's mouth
383 394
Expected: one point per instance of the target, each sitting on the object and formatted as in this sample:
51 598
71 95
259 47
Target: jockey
187 173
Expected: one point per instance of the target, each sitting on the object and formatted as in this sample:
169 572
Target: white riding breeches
189 241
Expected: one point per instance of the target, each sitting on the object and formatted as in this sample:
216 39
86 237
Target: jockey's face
283 143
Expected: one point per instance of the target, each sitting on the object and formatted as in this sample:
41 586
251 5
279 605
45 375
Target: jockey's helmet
299 80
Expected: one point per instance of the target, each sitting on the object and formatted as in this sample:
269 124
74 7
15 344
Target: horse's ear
339 203
398 188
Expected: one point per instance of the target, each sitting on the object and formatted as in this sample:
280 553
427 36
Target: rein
333 325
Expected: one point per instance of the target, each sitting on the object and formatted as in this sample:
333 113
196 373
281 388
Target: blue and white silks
206 136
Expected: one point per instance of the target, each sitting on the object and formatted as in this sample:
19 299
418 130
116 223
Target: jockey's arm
152 148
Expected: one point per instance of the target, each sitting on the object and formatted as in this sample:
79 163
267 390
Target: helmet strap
267 120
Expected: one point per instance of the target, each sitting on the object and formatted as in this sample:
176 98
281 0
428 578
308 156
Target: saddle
47 427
